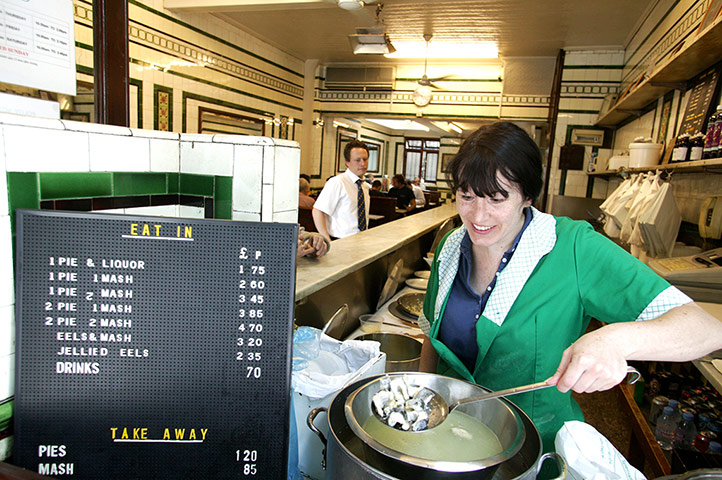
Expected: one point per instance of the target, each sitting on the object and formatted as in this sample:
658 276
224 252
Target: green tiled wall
196 184
23 192
27 190
55 186
222 195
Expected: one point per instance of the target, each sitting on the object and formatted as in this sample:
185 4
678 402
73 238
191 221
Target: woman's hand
591 364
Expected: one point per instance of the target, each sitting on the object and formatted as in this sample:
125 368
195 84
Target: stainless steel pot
346 455
495 414
403 353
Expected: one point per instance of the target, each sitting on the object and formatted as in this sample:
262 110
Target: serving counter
355 269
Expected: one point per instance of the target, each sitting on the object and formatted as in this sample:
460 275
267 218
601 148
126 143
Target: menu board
700 102
152 348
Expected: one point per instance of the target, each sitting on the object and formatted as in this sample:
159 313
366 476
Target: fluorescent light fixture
340 124
350 4
456 128
399 124
442 49
371 43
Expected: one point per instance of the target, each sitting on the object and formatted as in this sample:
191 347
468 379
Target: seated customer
376 189
404 196
304 199
418 193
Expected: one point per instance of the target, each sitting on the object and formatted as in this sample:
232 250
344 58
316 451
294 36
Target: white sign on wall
37 44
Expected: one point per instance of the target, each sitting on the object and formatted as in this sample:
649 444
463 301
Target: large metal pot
403 353
347 456
497 415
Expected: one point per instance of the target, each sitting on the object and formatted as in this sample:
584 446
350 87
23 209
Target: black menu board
152 348
701 102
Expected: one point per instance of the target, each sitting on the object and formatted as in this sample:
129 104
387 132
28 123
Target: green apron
583 276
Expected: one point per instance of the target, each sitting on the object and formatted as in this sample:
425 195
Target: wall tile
75 185
196 184
164 155
206 158
223 198
290 216
139 183
247 179
4 209
45 150
267 203
7 376
286 170
23 191
110 153
185 211
246 216
7 330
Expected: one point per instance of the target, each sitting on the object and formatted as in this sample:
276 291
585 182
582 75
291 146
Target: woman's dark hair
500 147
351 145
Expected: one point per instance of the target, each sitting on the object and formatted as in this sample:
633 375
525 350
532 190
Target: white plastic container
644 154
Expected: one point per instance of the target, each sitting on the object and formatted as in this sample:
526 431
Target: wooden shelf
697 54
684 167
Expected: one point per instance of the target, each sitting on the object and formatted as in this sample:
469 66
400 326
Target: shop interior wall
611 72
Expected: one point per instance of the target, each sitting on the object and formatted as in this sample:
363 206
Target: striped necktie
361 205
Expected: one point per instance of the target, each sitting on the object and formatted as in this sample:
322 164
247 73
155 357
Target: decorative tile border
187 52
162 108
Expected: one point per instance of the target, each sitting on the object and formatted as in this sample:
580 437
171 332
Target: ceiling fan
423 93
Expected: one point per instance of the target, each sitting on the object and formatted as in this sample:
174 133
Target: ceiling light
371 41
399 124
350 4
340 124
441 49
456 128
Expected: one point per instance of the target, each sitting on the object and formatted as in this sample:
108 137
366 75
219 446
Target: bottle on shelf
666 429
716 148
658 404
715 447
686 432
681 149
696 147
676 414
710 133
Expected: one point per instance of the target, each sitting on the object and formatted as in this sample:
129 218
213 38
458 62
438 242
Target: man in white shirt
342 207
418 193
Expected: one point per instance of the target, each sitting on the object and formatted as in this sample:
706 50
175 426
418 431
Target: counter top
352 253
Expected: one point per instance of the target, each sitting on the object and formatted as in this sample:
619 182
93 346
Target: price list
152 347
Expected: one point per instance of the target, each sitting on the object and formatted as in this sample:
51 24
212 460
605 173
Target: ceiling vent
360 78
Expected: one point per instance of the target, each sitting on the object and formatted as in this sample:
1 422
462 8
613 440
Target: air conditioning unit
360 78
594 138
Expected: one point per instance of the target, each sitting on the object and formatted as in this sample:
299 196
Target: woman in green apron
512 292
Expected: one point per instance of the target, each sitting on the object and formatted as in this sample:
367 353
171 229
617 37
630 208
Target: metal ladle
440 409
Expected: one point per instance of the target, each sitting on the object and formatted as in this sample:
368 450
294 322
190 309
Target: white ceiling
528 32
319 29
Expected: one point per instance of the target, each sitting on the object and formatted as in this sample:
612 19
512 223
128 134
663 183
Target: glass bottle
696 147
666 428
710 133
716 147
686 432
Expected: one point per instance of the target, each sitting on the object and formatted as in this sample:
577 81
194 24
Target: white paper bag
589 455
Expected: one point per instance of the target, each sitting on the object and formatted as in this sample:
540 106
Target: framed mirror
343 136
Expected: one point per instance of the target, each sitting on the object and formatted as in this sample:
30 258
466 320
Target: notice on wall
152 347
701 102
37 44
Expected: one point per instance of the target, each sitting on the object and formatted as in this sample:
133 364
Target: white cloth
419 194
338 200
